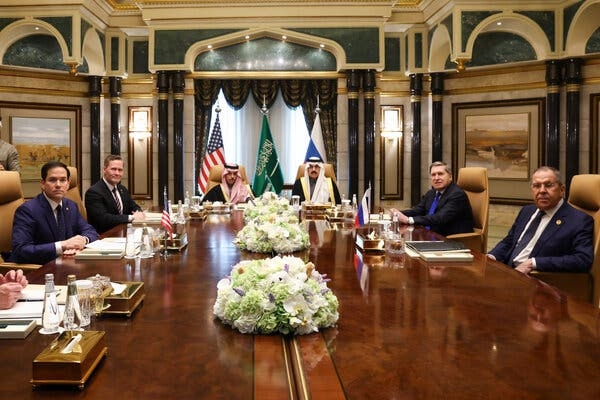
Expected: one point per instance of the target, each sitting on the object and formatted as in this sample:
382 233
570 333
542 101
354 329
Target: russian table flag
363 214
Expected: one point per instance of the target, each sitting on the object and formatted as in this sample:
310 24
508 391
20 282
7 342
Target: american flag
215 154
165 219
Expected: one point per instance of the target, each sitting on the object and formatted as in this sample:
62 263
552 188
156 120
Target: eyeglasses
546 185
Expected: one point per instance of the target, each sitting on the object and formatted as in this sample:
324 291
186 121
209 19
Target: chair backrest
73 192
474 181
215 176
329 172
584 194
11 197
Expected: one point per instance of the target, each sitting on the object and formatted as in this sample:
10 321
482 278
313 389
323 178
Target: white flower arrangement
276 295
271 226
265 207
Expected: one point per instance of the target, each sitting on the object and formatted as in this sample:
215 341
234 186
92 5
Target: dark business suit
452 215
35 231
102 209
565 245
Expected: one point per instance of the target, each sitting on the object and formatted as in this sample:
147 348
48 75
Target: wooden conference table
407 330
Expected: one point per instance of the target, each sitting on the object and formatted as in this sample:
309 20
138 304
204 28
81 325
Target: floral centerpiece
268 205
271 226
276 295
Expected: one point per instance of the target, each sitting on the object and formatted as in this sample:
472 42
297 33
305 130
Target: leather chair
73 192
11 197
215 176
584 194
329 172
474 181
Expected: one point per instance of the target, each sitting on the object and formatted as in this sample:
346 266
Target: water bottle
354 202
147 248
130 244
72 317
50 314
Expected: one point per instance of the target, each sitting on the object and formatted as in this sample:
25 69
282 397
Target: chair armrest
7 266
473 240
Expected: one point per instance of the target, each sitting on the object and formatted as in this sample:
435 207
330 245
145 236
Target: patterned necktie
527 236
119 207
435 203
60 223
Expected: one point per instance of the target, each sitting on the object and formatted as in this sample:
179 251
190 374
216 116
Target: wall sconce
392 122
139 135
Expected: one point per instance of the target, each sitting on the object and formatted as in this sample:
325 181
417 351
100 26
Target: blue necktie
527 236
60 223
435 203
433 206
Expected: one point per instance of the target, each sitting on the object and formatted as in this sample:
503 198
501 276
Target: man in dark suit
560 238
445 208
49 225
107 202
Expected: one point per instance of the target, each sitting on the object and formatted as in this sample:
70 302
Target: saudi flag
268 176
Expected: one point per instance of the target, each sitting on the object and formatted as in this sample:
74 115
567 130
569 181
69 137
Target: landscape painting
41 132
39 140
506 138
500 143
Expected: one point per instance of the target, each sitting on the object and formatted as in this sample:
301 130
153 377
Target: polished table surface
407 330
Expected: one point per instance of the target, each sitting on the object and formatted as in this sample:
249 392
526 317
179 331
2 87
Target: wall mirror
140 152
391 136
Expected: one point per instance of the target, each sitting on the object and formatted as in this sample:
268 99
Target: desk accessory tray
16 328
367 244
127 301
51 367
198 215
177 243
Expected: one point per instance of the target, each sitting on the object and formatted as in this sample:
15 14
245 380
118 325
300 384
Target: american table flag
215 154
165 219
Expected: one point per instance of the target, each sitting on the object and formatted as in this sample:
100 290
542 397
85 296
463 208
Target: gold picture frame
506 137
594 132
41 133
140 152
391 133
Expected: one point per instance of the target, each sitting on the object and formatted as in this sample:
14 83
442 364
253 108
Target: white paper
35 292
106 245
118 288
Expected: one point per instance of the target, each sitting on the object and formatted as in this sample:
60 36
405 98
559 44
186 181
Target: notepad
437 246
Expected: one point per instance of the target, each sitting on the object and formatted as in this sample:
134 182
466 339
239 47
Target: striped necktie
119 207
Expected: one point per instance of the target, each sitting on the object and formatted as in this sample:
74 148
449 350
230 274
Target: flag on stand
165 219
215 154
268 176
316 146
364 210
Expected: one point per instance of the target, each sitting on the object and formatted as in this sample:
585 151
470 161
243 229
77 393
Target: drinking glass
295 202
84 291
195 203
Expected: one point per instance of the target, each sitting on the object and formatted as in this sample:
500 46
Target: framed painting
506 137
42 133
594 132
